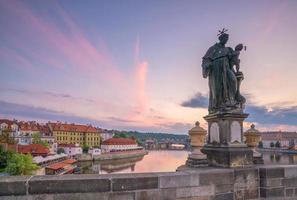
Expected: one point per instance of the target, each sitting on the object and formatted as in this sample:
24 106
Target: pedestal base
196 159
226 156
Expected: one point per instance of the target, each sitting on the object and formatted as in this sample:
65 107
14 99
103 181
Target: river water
154 161
162 161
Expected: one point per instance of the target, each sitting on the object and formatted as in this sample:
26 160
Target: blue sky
132 64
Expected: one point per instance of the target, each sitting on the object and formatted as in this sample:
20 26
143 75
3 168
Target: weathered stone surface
79 196
173 180
289 192
290 182
13 185
251 193
13 198
168 194
196 198
246 174
138 183
272 192
290 171
121 195
195 191
272 182
272 172
148 195
225 196
68 184
239 195
224 188
226 176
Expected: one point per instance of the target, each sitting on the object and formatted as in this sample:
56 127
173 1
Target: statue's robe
222 80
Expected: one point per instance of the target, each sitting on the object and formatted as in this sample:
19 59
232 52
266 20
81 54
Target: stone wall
271 182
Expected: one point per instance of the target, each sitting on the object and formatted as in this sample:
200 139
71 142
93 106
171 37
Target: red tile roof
34 149
73 127
69 161
61 165
7 121
56 166
67 145
119 141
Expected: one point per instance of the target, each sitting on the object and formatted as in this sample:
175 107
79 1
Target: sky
136 65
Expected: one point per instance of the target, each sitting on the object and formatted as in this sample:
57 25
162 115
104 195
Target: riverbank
277 150
112 155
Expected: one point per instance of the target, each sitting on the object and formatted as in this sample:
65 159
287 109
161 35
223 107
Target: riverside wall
112 156
264 182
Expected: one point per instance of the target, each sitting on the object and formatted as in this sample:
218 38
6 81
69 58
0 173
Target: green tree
3 158
85 148
278 144
37 140
20 164
271 144
120 135
6 138
260 145
60 150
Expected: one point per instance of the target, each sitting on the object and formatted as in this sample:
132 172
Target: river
162 161
154 161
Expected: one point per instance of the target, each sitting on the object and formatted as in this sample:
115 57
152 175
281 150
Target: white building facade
119 144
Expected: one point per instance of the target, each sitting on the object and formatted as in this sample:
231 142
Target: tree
20 164
271 144
60 150
37 140
120 135
278 144
6 138
260 145
3 158
85 148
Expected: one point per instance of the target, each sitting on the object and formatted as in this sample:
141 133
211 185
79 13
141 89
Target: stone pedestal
225 147
196 157
253 138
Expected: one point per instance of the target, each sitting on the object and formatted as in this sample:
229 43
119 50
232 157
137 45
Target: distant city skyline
136 65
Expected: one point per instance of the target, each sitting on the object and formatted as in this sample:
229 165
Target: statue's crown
223 31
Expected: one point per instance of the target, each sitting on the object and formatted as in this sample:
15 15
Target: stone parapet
263 182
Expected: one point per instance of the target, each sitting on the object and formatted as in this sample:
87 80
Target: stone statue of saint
224 82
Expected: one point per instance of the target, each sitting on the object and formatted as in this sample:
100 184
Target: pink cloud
65 47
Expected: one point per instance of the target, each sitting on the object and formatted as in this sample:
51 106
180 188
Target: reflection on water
279 158
155 161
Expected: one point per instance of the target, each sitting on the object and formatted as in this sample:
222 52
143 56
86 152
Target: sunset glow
136 65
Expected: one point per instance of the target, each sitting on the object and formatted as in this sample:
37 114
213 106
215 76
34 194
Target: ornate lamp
253 137
196 157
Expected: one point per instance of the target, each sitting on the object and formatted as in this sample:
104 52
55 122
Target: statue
224 82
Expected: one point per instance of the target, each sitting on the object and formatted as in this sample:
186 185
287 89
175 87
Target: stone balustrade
263 182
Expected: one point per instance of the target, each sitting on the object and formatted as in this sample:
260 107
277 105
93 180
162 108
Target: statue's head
223 38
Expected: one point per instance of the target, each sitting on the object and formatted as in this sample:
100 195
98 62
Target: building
75 134
105 135
27 130
119 144
286 139
33 149
177 146
9 127
94 151
71 149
